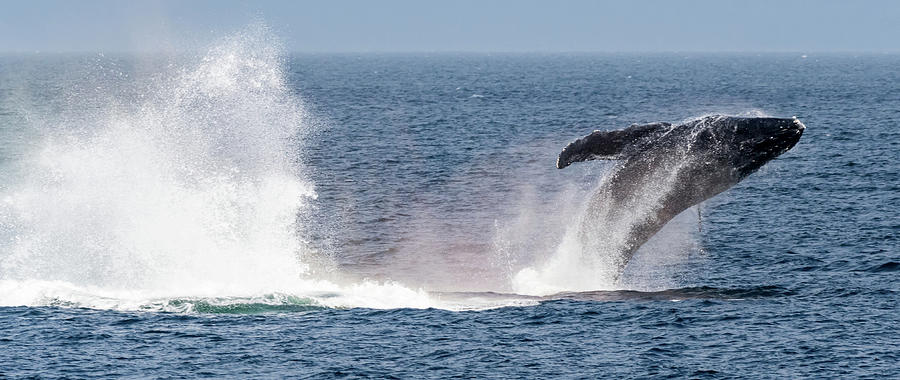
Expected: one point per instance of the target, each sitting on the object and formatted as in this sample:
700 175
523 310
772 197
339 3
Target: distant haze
467 25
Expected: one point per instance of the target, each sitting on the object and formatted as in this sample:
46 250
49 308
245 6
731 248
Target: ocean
246 212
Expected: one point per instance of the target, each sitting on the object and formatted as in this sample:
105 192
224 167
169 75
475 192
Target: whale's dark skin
665 169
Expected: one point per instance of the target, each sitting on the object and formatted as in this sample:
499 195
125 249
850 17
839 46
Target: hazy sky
458 25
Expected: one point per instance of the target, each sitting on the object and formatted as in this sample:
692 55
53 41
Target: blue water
370 216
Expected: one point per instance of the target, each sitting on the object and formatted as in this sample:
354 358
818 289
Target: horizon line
509 52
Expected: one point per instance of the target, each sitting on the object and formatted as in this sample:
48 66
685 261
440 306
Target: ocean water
244 212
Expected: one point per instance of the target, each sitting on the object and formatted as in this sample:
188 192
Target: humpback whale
663 169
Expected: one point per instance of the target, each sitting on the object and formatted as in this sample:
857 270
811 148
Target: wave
301 295
890 266
359 296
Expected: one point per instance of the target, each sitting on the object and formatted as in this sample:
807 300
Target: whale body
663 169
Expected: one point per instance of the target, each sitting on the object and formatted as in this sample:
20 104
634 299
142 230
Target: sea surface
245 212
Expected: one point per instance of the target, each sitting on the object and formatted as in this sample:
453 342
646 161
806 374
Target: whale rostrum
663 169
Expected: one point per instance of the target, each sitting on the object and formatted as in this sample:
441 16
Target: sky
458 25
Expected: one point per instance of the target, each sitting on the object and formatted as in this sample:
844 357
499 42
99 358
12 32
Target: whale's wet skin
246 212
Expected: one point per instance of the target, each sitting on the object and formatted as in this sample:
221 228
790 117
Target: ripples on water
413 188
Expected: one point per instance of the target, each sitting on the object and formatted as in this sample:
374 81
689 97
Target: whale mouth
799 127
788 135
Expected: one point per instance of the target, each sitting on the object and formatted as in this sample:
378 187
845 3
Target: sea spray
184 190
192 188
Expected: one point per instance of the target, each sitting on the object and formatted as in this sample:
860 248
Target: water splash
180 193
195 183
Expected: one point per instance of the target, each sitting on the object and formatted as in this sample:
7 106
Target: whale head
749 143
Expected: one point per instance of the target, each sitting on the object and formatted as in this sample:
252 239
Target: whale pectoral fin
611 145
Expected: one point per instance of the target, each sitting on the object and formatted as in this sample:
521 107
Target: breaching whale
664 169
